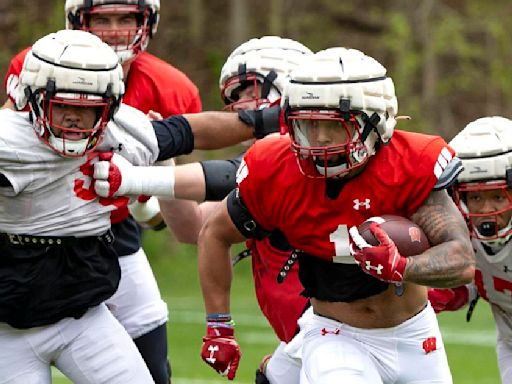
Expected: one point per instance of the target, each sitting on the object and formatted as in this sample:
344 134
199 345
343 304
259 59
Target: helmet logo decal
310 96
477 169
82 81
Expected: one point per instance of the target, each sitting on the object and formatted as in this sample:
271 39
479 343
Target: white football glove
143 211
116 176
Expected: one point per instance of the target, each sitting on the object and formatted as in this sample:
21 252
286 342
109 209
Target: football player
151 85
483 193
58 262
342 163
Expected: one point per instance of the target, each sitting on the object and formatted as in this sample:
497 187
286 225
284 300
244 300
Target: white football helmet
127 42
344 91
485 149
70 68
264 62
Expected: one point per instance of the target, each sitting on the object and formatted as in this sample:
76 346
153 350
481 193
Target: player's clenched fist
382 261
116 176
450 299
220 350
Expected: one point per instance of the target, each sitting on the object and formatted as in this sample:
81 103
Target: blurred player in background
483 193
332 173
151 85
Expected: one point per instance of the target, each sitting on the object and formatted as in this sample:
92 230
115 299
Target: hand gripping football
408 236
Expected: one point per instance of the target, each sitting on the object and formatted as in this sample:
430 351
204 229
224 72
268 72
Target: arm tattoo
450 260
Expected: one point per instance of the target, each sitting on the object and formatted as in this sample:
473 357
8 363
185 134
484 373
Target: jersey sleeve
11 79
429 166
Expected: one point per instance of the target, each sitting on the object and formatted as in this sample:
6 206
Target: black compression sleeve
174 136
220 177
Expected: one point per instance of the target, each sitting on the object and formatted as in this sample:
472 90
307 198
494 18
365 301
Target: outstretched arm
214 264
450 262
220 349
213 130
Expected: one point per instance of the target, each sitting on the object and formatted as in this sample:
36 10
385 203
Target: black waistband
20 240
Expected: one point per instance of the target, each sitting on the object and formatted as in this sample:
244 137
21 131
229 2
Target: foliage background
449 58
450 63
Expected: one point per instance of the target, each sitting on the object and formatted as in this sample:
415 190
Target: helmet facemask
127 41
263 93
70 138
487 208
330 143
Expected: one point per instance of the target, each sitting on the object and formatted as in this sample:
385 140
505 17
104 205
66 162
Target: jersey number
499 285
341 241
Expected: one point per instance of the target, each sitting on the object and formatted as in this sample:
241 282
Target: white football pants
409 353
94 349
285 364
137 303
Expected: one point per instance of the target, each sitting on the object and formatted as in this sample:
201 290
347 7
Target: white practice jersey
493 276
52 195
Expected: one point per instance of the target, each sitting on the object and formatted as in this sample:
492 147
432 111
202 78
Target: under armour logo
430 344
378 268
325 331
358 204
506 269
212 349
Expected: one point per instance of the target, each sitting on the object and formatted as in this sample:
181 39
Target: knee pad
153 348
261 378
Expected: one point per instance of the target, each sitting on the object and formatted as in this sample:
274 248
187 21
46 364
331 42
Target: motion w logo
430 345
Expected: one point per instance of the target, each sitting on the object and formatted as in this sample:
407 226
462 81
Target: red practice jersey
396 180
282 303
152 84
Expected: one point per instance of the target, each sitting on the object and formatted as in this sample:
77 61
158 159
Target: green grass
470 346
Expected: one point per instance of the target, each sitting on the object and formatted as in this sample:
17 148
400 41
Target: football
408 236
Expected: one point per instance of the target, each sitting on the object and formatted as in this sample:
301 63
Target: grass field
470 346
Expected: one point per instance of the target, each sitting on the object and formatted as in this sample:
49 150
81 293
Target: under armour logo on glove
221 351
382 261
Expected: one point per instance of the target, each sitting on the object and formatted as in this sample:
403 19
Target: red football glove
221 351
448 299
382 261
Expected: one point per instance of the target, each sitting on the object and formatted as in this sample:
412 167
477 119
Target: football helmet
264 62
127 42
74 69
339 104
485 149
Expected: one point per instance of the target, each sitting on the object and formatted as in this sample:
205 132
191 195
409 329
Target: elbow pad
219 177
